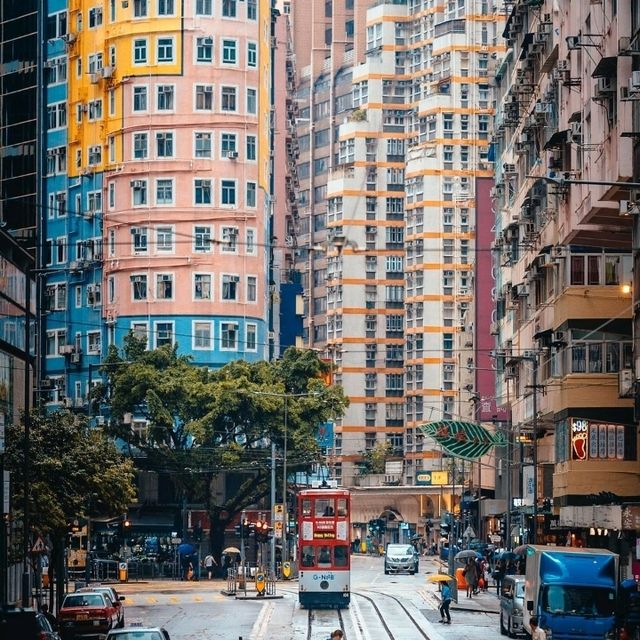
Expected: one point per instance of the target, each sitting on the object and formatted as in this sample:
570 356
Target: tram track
383 619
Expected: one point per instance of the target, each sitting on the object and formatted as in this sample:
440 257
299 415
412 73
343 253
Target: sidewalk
485 602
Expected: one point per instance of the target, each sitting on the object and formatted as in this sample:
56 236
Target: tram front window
324 557
306 507
341 555
308 556
324 507
342 507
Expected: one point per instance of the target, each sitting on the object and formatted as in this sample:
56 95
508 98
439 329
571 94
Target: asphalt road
401 607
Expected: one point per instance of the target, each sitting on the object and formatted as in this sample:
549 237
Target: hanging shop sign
467 440
432 478
595 440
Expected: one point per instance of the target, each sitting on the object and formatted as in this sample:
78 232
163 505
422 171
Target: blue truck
572 591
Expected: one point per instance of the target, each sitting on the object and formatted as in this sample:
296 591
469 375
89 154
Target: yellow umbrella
439 577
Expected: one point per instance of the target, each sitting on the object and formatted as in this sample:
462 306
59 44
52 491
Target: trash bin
123 572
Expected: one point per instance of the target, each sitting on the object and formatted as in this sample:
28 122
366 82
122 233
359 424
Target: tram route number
323 576
321 535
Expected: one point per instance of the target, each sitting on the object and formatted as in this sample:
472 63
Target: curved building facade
166 140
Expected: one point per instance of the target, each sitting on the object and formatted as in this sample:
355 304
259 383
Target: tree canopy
203 422
74 470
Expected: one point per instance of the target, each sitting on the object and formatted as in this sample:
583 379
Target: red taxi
85 615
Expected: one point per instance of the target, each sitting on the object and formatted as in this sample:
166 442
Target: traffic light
263 531
503 528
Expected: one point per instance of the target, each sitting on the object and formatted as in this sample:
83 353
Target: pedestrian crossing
144 600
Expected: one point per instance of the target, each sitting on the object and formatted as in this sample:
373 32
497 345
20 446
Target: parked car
113 595
401 557
86 614
512 606
26 624
139 633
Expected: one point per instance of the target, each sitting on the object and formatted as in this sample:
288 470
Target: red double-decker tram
324 534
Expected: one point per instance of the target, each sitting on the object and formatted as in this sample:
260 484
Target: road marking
356 622
198 598
130 602
173 600
152 600
260 626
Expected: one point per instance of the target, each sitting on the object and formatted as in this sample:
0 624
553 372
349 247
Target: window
202 144
251 148
164 239
139 287
56 115
56 25
164 286
228 102
252 101
230 287
57 70
140 98
202 239
229 52
140 9
140 51
228 146
139 188
140 146
250 244
202 335
252 10
204 97
251 196
229 336
164 144
229 8
228 192
252 54
141 331
204 8
251 342
202 189
202 286
55 340
229 239
165 7
204 49
56 297
140 237
164 333
95 155
165 97
164 191
252 289
165 50
95 17
94 342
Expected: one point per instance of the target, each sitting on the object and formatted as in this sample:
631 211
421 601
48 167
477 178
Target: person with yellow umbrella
444 579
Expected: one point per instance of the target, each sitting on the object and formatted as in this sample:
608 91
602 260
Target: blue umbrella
186 549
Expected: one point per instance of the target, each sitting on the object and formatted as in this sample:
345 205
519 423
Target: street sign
432 478
39 546
278 512
2 432
469 533
277 529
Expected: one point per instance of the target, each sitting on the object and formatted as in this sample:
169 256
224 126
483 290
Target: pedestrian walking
470 574
209 563
536 632
445 604
337 634
499 573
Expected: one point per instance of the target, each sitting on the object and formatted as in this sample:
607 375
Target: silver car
512 606
401 557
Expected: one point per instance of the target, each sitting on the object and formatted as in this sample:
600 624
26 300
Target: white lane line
259 629
356 619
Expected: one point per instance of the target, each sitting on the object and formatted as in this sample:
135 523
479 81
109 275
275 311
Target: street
401 607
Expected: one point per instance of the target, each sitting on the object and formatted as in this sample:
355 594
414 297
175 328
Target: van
512 606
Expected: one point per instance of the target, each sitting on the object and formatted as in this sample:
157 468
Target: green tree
374 460
204 423
74 471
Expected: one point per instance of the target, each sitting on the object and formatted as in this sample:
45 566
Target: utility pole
26 518
534 456
285 551
272 555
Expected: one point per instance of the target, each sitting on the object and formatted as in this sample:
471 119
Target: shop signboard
432 478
